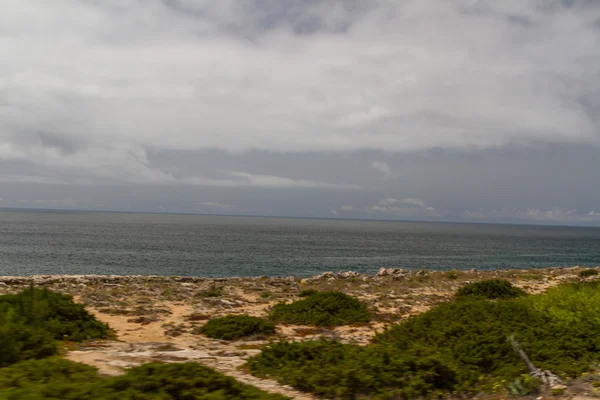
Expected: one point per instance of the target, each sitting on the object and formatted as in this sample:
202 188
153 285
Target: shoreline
396 273
340 274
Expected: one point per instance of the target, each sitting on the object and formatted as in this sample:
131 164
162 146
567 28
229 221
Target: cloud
320 95
392 207
303 76
245 179
382 167
410 201
540 215
217 208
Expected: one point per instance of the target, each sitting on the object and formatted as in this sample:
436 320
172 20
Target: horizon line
485 222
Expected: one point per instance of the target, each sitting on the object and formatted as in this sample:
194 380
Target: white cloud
382 167
542 215
407 207
396 76
410 201
245 179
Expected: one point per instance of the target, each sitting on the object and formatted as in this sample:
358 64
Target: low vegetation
214 291
491 289
32 321
55 379
588 272
344 371
322 309
233 327
457 347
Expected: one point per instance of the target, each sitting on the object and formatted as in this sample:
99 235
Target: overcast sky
457 110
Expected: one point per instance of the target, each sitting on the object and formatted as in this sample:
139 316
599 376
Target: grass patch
322 309
233 327
491 289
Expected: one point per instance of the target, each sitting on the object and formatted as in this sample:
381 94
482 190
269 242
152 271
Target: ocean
72 242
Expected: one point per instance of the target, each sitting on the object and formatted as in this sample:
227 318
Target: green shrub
49 370
573 304
20 342
464 341
74 381
588 272
323 309
32 320
470 334
452 274
233 327
343 371
215 291
307 292
557 330
55 313
491 289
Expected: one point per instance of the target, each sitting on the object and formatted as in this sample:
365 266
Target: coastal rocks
394 272
348 274
330 276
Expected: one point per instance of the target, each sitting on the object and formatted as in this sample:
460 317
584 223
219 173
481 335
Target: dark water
43 242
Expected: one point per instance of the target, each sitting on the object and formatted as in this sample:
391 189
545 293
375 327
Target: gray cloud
469 108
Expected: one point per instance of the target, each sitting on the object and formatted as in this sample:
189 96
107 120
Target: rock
473 270
558 389
348 274
398 272
422 272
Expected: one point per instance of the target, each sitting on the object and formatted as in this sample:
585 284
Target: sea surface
71 242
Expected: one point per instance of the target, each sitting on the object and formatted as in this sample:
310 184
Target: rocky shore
156 318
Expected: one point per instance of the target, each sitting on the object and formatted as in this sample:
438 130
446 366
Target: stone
348 274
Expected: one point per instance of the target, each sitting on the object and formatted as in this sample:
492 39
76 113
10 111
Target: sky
457 110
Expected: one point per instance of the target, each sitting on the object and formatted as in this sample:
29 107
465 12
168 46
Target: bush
343 371
323 309
491 289
65 380
588 272
35 372
55 313
32 320
458 347
215 291
233 327
307 292
472 335
20 342
453 274
558 331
